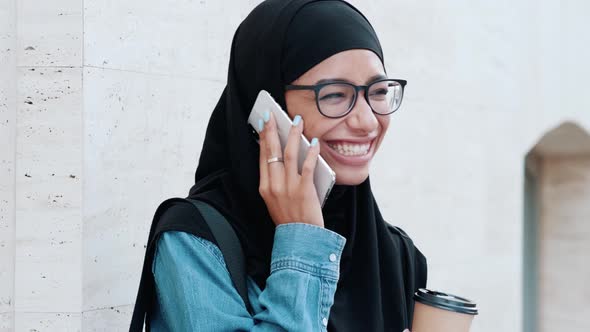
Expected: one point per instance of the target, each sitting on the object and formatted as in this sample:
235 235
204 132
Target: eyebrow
344 80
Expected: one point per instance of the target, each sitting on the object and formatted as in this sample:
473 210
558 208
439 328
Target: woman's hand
289 196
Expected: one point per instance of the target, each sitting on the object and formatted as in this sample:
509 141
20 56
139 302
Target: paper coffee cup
440 312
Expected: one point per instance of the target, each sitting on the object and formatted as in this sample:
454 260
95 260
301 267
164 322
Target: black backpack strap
146 284
222 234
230 247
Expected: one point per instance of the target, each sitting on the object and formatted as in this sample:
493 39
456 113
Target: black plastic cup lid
445 301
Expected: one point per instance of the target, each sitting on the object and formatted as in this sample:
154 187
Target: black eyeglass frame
317 87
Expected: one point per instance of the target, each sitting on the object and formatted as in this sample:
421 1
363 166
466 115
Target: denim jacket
195 292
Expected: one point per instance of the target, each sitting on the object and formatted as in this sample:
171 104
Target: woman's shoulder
185 247
403 236
397 231
182 216
414 255
176 210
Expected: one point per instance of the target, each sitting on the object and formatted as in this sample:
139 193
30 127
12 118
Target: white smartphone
324 177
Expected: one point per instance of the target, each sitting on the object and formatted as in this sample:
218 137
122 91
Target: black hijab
278 42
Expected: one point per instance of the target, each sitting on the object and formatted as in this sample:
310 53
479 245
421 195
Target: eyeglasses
337 99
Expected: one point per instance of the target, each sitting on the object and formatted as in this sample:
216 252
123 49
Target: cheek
313 123
383 126
315 128
302 107
384 123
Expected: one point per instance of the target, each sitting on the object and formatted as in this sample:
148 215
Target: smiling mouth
350 149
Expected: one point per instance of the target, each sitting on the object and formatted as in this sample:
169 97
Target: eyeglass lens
336 99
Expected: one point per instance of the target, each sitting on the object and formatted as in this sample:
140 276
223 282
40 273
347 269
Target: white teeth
351 149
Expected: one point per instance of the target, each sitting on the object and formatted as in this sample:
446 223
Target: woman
340 268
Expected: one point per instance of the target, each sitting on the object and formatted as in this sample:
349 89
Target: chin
351 177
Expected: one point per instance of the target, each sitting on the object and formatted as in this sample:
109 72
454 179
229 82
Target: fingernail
314 142
296 120
266 116
260 125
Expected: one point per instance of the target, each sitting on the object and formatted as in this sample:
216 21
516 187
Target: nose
361 117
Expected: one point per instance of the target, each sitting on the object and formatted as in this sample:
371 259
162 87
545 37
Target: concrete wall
7 161
112 103
152 75
48 175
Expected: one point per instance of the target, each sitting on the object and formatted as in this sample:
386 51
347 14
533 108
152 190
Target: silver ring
274 160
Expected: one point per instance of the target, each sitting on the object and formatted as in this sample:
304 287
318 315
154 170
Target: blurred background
103 109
